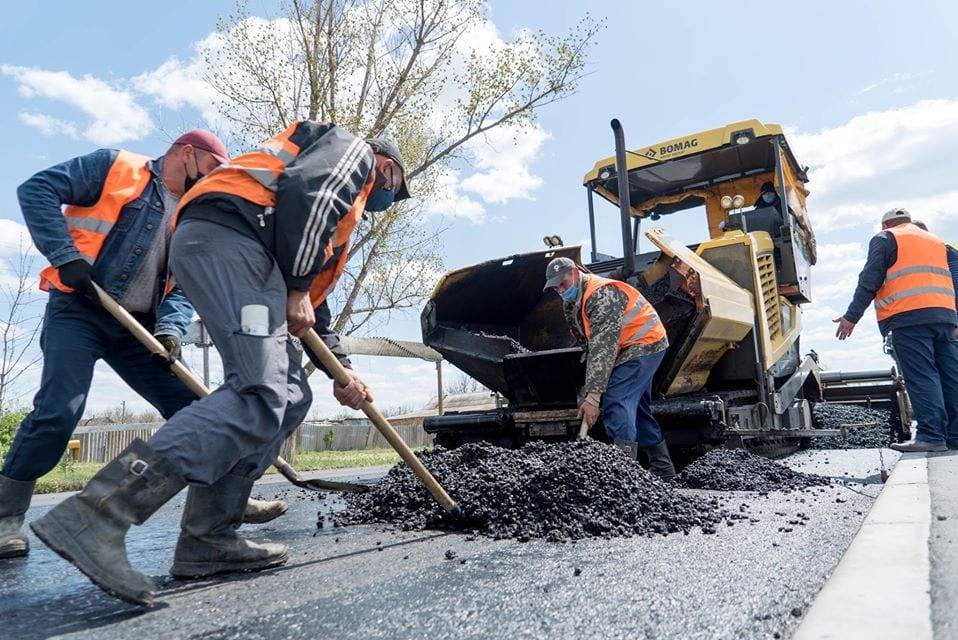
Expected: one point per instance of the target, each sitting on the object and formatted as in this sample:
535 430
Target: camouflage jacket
606 311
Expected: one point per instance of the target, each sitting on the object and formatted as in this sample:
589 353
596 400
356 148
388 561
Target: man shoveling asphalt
251 238
114 230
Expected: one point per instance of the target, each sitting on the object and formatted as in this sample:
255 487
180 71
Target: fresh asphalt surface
751 580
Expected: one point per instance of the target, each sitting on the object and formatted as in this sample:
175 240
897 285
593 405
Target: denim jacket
80 182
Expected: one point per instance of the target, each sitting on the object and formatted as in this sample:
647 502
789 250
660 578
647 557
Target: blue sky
866 91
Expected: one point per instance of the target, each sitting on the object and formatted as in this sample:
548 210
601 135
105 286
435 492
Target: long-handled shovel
338 371
190 380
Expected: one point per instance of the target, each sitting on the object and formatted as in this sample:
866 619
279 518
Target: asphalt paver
753 577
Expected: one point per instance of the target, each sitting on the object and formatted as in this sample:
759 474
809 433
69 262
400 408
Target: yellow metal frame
749 187
684 146
730 316
759 243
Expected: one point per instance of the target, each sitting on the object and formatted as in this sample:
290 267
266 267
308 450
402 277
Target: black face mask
188 182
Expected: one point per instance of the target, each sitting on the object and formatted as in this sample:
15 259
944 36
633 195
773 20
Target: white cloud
899 157
176 84
48 125
896 82
859 169
450 201
116 117
503 159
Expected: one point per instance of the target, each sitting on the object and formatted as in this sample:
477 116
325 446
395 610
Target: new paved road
753 579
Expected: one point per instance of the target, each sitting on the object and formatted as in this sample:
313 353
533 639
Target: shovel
188 378
583 428
338 371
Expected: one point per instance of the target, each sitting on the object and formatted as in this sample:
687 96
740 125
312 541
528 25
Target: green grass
322 460
72 476
69 477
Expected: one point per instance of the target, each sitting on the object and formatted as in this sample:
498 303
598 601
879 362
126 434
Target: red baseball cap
205 140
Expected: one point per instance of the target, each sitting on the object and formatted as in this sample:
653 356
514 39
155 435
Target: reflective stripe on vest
263 165
254 176
640 323
337 251
919 279
89 226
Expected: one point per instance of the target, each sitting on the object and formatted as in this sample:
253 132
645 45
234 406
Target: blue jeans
928 355
627 402
75 335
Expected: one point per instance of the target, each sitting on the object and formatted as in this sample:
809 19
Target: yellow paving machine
731 304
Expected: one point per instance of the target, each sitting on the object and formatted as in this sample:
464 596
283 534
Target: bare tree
20 320
464 384
403 68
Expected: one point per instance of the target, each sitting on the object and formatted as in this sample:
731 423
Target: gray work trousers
240 427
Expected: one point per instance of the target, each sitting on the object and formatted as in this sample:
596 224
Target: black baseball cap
389 149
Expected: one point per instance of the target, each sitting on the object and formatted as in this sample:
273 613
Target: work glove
78 275
172 345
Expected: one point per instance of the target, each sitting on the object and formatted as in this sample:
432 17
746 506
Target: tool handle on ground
140 333
284 468
584 428
338 371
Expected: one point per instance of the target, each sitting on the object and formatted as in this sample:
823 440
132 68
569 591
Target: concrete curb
880 589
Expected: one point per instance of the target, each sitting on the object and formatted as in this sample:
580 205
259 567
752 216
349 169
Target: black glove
78 275
172 345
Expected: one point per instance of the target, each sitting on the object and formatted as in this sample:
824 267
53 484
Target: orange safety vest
89 226
326 279
919 279
641 324
254 176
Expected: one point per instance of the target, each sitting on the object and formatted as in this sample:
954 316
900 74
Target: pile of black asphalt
877 433
739 470
558 492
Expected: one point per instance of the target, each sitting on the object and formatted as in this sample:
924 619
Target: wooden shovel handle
140 333
340 375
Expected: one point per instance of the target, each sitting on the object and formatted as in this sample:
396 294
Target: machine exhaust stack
625 202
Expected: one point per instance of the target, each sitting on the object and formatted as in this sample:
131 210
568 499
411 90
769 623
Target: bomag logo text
678 147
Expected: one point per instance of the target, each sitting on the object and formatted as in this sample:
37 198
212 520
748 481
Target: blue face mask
570 294
768 197
381 200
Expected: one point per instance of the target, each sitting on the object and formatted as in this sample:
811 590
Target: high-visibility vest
254 176
89 226
919 279
337 251
641 324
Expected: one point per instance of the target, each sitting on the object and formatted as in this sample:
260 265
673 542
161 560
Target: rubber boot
89 528
629 447
208 542
14 501
262 511
660 463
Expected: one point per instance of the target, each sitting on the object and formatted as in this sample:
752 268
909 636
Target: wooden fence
103 443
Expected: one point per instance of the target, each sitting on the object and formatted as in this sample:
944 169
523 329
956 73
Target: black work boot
660 463
261 511
208 542
14 501
630 448
89 528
